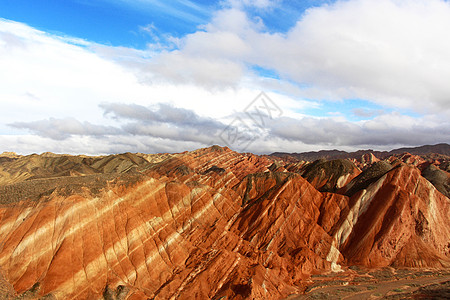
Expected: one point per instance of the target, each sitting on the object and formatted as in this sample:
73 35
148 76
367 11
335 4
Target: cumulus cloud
161 121
387 51
390 52
387 129
90 145
63 73
163 113
178 125
10 41
60 129
165 121
211 58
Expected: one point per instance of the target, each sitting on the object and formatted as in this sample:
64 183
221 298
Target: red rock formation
365 161
368 159
400 220
296 167
407 158
207 224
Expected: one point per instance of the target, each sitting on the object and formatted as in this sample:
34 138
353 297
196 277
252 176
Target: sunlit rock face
402 221
207 224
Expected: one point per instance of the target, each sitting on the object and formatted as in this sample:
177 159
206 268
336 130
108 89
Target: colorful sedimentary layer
207 224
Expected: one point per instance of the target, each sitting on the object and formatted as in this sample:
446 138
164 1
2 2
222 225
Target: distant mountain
443 149
423 150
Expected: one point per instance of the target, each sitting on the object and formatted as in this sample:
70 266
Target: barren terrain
217 224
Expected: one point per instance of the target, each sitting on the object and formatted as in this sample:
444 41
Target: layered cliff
207 224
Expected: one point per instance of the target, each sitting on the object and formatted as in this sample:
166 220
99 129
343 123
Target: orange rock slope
207 224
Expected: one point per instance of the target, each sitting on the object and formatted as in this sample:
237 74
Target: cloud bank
389 52
64 94
177 125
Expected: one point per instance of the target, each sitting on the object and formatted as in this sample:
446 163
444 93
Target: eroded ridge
209 223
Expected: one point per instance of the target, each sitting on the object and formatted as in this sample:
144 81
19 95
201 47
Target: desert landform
217 224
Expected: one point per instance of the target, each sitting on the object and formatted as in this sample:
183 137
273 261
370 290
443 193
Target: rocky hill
213 223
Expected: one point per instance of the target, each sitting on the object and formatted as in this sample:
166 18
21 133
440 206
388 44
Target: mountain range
217 224
443 149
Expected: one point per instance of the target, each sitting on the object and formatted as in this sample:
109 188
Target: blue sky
107 22
351 74
118 22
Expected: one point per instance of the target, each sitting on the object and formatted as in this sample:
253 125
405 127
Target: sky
111 76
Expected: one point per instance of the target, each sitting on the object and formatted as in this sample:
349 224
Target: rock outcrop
399 220
329 176
439 178
363 180
207 224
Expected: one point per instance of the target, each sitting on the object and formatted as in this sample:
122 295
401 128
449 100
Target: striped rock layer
207 224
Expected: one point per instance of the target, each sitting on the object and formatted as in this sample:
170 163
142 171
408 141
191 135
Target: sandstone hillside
212 223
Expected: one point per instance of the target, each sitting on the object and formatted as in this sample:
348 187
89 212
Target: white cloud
387 129
65 78
173 125
68 80
27 144
390 52
60 129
